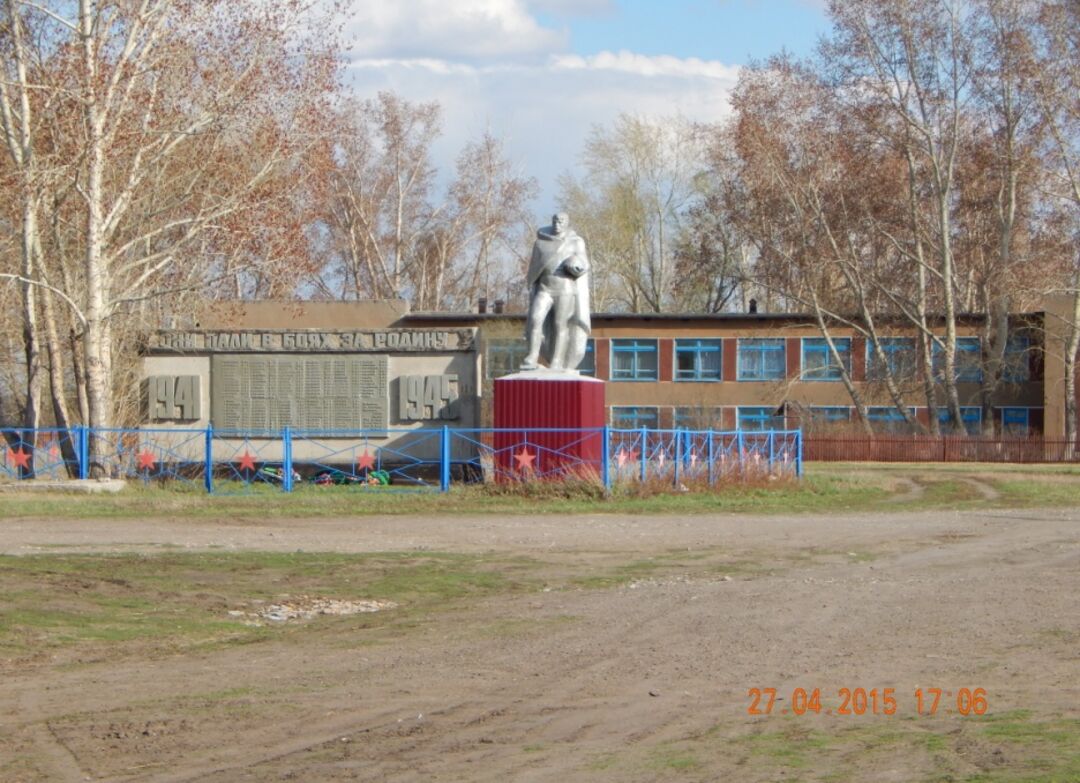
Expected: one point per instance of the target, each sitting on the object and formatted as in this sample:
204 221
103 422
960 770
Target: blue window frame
899 358
762 359
756 419
1016 421
889 420
504 357
1017 359
968 360
588 361
970 414
634 360
698 418
817 359
698 360
830 413
628 417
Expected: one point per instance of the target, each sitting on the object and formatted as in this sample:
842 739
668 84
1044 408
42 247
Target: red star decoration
365 462
19 458
247 461
524 459
626 456
54 450
146 460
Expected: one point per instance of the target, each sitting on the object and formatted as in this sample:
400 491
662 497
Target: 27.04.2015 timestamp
872 701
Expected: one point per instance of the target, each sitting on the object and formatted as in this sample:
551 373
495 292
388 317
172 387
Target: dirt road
646 680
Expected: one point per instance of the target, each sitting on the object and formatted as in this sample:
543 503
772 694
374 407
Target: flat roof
472 317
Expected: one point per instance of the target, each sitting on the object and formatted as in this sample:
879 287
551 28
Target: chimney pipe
753 305
481 305
498 306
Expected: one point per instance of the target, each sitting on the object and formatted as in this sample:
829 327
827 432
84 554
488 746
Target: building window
758 419
968 360
889 420
1016 421
762 359
504 357
818 363
634 418
971 415
1017 358
698 418
830 414
698 360
588 361
633 360
899 358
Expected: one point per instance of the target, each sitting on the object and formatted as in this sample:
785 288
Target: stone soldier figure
558 325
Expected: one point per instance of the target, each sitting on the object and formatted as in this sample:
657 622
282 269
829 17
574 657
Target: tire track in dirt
580 689
468 728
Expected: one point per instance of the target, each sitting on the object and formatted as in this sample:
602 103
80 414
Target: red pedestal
553 425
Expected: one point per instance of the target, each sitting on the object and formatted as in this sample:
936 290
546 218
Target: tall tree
177 121
641 175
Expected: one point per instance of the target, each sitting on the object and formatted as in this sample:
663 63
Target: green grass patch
948 493
1024 494
827 487
791 747
170 600
828 493
673 759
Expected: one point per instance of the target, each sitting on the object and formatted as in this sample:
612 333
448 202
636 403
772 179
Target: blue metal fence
231 461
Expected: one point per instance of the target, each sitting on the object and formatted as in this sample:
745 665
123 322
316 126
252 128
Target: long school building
372 365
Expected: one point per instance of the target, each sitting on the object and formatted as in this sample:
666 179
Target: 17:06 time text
873 701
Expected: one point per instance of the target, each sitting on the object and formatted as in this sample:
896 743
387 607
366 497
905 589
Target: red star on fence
626 456
20 458
146 460
524 459
365 462
247 461
54 450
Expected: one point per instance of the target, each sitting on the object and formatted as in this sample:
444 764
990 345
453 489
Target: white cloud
452 29
572 7
544 111
645 65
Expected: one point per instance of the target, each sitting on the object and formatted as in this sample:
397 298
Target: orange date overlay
870 701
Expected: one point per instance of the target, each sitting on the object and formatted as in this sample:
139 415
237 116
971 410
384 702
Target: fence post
84 452
286 448
605 451
208 467
712 458
772 449
444 460
799 454
644 451
678 457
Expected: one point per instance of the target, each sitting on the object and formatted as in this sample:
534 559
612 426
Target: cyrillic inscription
380 341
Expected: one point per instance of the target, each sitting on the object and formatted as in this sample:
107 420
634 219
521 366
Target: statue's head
560 221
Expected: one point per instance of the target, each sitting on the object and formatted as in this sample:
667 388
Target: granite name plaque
311 392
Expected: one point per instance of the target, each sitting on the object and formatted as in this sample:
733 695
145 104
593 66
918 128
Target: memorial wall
328 384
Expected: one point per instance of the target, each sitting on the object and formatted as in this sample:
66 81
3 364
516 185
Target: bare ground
645 680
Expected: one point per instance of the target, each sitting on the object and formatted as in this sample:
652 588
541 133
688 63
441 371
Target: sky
539 74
